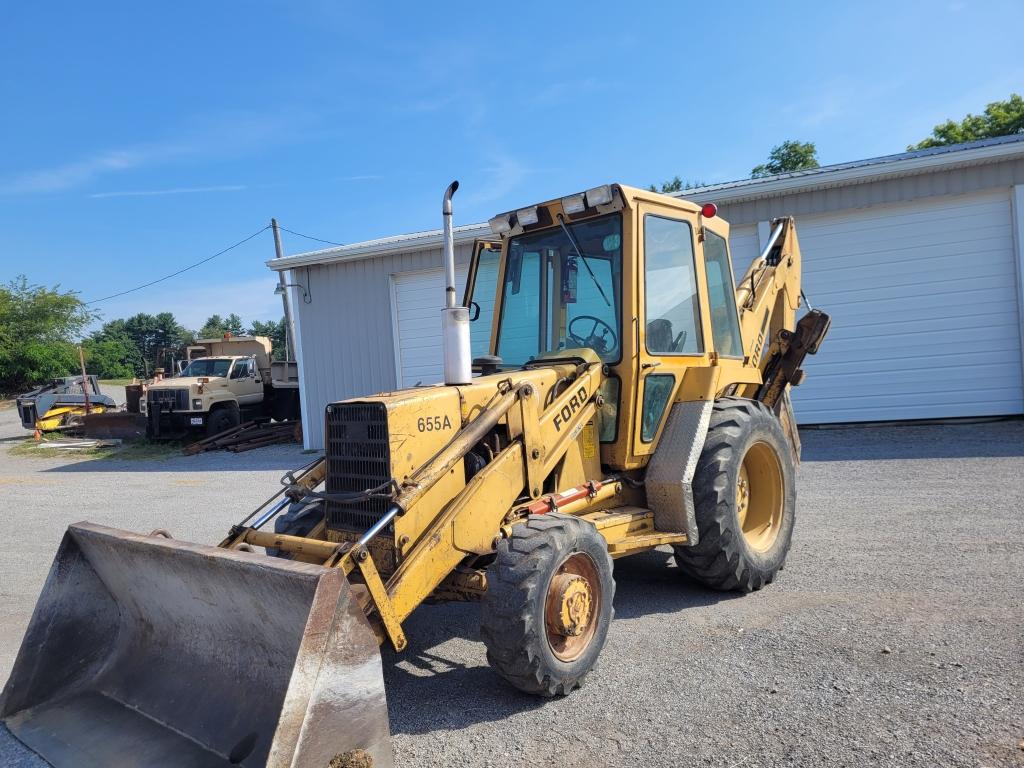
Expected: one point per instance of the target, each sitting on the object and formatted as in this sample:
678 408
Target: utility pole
289 330
85 380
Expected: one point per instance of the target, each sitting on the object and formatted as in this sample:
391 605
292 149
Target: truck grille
169 399
358 458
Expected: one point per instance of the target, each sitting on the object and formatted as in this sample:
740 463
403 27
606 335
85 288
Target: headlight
527 217
197 405
599 195
501 225
573 204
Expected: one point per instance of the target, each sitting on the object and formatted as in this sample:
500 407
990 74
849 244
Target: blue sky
140 137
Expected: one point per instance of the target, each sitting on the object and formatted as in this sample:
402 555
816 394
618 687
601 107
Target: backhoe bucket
146 651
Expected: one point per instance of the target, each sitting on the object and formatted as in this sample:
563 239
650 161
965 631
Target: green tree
113 358
158 339
275 331
37 329
676 185
216 326
1000 118
787 157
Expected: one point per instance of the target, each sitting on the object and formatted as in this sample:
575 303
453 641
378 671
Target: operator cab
641 279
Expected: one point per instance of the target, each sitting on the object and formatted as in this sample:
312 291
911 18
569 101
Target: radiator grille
358 458
169 399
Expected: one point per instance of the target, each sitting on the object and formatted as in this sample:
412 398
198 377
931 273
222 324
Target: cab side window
725 325
242 369
483 295
673 310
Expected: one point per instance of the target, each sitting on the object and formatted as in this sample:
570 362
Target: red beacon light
709 210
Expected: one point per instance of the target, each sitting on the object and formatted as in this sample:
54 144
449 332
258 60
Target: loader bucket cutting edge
149 651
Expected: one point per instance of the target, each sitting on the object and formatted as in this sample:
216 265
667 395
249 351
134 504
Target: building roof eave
857 172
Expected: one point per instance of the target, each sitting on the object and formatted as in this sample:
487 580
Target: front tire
300 520
744 494
222 420
548 605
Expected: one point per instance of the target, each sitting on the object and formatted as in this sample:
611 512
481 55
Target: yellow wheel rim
759 491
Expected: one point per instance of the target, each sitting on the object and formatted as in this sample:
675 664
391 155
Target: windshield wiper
575 245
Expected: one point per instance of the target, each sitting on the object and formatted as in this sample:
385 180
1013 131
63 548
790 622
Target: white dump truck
226 381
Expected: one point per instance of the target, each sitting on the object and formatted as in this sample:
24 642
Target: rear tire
548 605
744 495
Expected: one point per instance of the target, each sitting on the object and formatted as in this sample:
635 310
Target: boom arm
768 297
769 293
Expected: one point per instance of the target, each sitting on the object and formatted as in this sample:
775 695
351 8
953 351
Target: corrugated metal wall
345 331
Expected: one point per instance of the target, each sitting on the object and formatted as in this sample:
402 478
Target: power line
208 258
308 237
182 270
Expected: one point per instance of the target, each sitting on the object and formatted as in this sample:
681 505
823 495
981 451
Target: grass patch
139 450
117 382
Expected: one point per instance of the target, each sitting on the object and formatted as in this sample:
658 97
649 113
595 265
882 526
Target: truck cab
234 381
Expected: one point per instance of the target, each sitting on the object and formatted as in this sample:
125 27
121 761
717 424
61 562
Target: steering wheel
597 343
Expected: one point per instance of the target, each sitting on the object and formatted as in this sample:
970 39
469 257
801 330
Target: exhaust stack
454 319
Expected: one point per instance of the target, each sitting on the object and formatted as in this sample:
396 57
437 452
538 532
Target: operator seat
659 335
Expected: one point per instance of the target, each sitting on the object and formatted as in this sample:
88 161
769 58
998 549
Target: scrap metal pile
245 437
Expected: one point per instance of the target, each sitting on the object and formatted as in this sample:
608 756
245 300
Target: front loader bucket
146 651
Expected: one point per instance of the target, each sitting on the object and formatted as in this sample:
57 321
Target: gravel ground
893 637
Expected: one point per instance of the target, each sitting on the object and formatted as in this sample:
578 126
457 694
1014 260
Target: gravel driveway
893 637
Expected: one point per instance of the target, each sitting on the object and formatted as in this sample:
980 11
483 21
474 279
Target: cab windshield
207 367
562 292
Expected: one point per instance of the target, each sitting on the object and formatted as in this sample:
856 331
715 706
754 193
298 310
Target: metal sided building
918 257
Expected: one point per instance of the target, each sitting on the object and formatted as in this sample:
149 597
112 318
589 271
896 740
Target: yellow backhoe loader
635 396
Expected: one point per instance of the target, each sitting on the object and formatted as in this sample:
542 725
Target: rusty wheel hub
574 599
572 606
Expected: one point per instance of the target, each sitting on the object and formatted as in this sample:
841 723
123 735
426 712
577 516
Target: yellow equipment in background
62 404
634 396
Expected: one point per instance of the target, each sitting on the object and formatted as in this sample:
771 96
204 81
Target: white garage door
417 298
924 311
743 247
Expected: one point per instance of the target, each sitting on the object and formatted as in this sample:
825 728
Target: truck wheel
744 495
220 420
548 604
300 519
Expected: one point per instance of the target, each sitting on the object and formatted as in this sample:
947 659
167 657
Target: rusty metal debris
247 436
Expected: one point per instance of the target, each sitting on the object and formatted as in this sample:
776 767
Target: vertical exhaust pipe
454 319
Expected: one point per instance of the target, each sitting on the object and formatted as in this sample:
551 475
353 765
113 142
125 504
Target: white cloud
228 133
173 191
503 175
78 172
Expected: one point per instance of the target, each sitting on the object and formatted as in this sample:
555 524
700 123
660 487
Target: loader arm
539 438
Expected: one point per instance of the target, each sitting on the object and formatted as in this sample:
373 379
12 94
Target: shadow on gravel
257 460
651 583
419 680
1001 438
